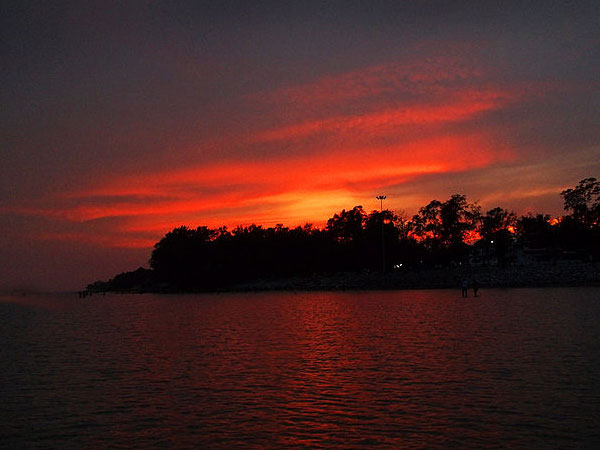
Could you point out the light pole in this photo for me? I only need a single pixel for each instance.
(381, 198)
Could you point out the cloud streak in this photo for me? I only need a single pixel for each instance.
(388, 125)
(429, 123)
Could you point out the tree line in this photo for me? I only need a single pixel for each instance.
(441, 234)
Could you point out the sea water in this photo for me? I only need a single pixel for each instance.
(515, 368)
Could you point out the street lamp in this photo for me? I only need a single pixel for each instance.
(381, 198)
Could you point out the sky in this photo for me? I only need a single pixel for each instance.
(123, 120)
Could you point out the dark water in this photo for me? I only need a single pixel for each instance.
(413, 369)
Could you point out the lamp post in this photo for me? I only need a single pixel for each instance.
(381, 198)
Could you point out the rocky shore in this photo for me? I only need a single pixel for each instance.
(538, 275)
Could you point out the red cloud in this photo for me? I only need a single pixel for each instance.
(416, 77)
(467, 105)
(339, 161)
(278, 185)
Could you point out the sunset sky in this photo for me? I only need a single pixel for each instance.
(123, 119)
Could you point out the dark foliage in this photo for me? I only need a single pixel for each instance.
(138, 280)
(584, 201)
(355, 241)
(443, 227)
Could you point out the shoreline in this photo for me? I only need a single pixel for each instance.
(570, 274)
(511, 277)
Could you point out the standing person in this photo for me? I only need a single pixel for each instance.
(475, 286)
(465, 288)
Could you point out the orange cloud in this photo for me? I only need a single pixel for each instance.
(387, 121)
(335, 162)
(286, 186)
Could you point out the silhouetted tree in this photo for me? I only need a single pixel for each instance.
(574, 235)
(584, 201)
(184, 256)
(140, 279)
(536, 232)
(404, 226)
(428, 222)
(496, 232)
(443, 227)
(381, 239)
(347, 240)
(495, 220)
(205, 258)
(347, 226)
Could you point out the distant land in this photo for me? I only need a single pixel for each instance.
(445, 244)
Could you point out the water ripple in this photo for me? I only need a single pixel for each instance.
(411, 369)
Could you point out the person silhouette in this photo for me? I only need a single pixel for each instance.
(465, 288)
(475, 286)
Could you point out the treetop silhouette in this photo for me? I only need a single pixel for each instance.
(204, 258)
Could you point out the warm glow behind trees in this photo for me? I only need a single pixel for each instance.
(438, 236)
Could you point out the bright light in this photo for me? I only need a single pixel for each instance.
(555, 221)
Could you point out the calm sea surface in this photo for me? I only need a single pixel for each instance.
(516, 368)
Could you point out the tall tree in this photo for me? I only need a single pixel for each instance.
(428, 222)
(184, 255)
(496, 232)
(584, 201)
(347, 226)
(495, 220)
(458, 218)
(536, 231)
(443, 226)
(447, 222)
